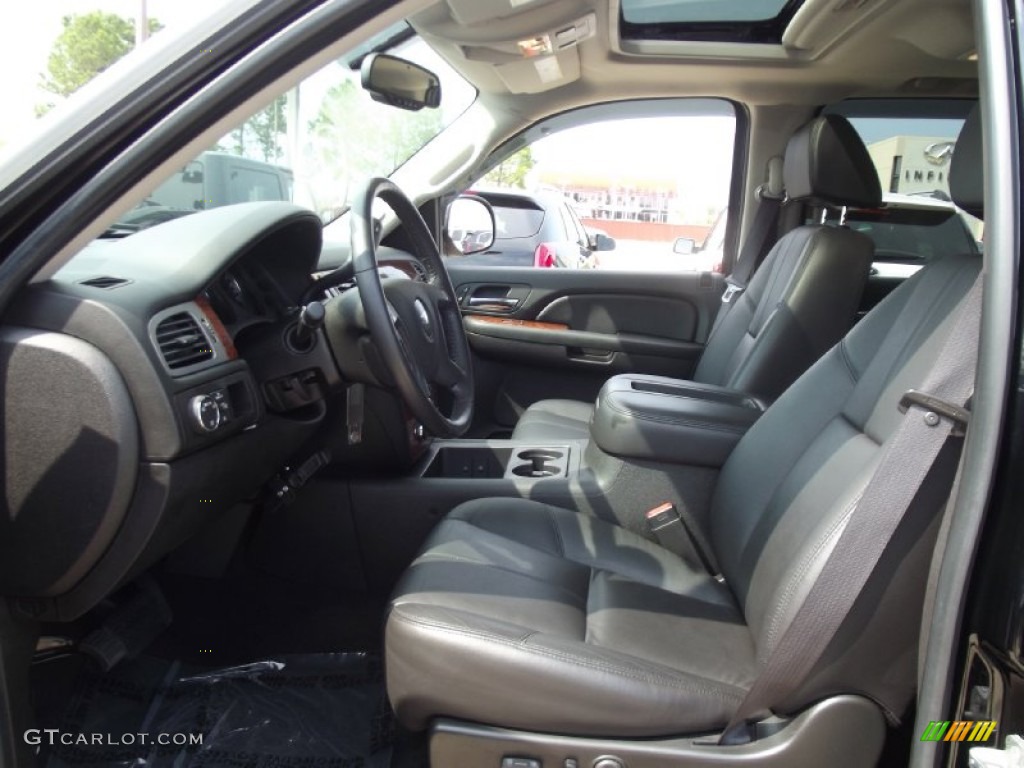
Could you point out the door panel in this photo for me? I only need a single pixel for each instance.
(670, 318)
(561, 343)
(542, 333)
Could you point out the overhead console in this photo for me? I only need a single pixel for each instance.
(531, 44)
(668, 420)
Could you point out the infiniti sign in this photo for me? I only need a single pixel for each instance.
(940, 152)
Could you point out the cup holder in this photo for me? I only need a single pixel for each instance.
(540, 454)
(540, 462)
(533, 470)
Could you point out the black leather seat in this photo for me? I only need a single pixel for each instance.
(528, 616)
(800, 301)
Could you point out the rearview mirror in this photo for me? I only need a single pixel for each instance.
(400, 83)
(469, 226)
(684, 246)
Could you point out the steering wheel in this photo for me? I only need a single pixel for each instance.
(416, 326)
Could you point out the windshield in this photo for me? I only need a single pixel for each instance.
(313, 145)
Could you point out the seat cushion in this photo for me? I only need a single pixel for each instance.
(554, 420)
(521, 614)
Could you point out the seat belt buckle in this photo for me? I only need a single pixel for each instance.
(731, 290)
(664, 522)
(661, 516)
(936, 410)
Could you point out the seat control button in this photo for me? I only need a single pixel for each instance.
(608, 762)
(571, 762)
(520, 762)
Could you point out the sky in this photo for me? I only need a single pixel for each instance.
(28, 29)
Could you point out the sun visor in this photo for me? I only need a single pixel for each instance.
(469, 12)
(536, 62)
(540, 73)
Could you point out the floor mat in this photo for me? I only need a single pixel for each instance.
(323, 710)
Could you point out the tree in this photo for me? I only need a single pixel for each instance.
(88, 44)
(352, 138)
(260, 133)
(513, 170)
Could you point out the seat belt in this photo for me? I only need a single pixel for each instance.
(760, 239)
(933, 415)
(755, 247)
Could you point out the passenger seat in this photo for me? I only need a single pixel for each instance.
(797, 305)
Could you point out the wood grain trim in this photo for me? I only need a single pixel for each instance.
(541, 326)
(218, 327)
(405, 267)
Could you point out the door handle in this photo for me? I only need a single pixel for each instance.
(479, 301)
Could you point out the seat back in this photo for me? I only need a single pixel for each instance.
(793, 481)
(806, 293)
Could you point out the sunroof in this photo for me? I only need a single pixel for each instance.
(742, 21)
(683, 11)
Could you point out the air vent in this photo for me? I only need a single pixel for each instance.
(182, 342)
(104, 282)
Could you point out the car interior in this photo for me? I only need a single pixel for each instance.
(355, 500)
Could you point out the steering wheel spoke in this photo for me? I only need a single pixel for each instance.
(449, 375)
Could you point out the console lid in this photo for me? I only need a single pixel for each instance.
(662, 419)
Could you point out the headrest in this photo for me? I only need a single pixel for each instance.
(967, 169)
(827, 162)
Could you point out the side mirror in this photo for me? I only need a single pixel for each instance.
(469, 226)
(602, 242)
(400, 83)
(684, 246)
(193, 173)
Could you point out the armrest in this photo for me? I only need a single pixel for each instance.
(662, 419)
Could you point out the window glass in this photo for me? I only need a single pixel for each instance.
(247, 185)
(732, 21)
(682, 11)
(911, 144)
(513, 222)
(314, 145)
(911, 155)
(571, 232)
(906, 231)
(576, 225)
(642, 179)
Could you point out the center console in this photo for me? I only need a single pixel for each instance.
(669, 420)
(651, 420)
(499, 459)
(652, 440)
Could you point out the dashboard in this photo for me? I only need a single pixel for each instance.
(165, 369)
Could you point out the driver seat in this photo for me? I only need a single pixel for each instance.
(527, 616)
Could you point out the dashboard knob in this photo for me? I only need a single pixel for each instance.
(205, 413)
